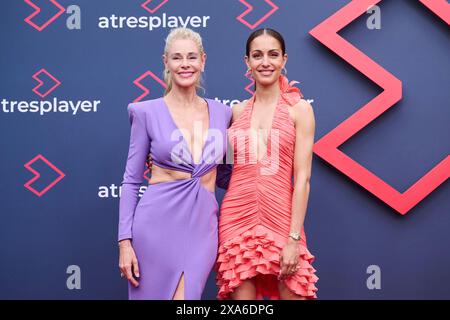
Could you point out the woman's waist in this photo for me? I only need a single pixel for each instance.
(163, 175)
(256, 203)
(239, 233)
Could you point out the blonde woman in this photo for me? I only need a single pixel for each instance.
(168, 240)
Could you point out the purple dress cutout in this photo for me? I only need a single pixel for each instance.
(173, 227)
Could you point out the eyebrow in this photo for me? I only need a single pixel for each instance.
(271, 50)
(189, 53)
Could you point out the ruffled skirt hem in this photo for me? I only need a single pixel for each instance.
(256, 252)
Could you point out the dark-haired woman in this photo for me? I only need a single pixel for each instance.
(262, 243)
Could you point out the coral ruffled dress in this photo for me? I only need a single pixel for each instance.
(256, 210)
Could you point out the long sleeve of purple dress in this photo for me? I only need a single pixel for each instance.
(134, 171)
(173, 226)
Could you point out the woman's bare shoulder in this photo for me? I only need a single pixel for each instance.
(238, 109)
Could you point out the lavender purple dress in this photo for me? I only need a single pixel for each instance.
(173, 226)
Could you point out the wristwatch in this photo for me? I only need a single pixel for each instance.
(295, 235)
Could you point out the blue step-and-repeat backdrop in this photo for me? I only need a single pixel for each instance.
(378, 217)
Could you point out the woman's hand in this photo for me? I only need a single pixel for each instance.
(128, 263)
(289, 259)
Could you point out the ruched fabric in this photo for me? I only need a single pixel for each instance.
(255, 215)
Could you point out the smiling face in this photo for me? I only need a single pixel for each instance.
(265, 59)
(185, 62)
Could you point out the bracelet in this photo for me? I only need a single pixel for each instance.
(295, 235)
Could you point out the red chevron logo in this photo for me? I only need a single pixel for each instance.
(241, 19)
(138, 83)
(37, 175)
(248, 88)
(327, 146)
(155, 8)
(37, 10)
(40, 83)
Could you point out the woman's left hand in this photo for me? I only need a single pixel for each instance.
(289, 259)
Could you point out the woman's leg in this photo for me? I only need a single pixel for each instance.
(179, 291)
(287, 294)
(246, 291)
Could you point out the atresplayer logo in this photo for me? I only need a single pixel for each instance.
(37, 77)
(327, 147)
(268, 7)
(153, 21)
(37, 175)
(73, 21)
(146, 90)
(46, 84)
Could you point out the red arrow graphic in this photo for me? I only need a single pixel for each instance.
(248, 88)
(37, 175)
(38, 10)
(327, 146)
(40, 83)
(154, 9)
(138, 83)
(241, 19)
